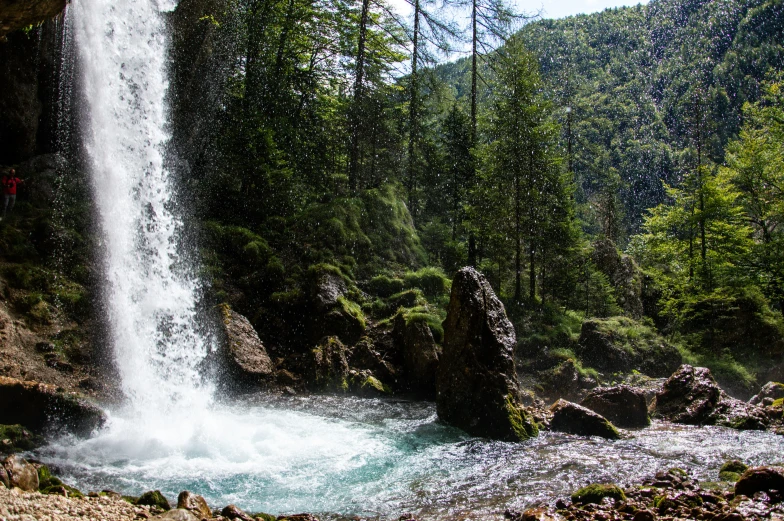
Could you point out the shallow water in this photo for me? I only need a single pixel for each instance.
(372, 457)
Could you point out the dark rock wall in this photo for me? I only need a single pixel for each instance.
(18, 14)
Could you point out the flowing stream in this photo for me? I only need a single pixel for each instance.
(332, 455)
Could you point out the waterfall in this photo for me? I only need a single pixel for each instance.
(151, 293)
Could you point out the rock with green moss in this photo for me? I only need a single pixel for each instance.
(622, 405)
(15, 438)
(769, 393)
(596, 492)
(760, 479)
(419, 350)
(154, 498)
(620, 344)
(384, 287)
(732, 470)
(476, 387)
(262, 516)
(329, 370)
(574, 419)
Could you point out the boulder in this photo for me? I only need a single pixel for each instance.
(328, 288)
(476, 386)
(596, 492)
(195, 503)
(371, 354)
(329, 365)
(732, 470)
(760, 479)
(333, 313)
(771, 391)
(420, 354)
(565, 381)
(623, 405)
(624, 275)
(38, 406)
(21, 474)
(154, 498)
(18, 15)
(246, 357)
(619, 344)
(692, 396)
(575, 419)
(15, 438)
(232, 512)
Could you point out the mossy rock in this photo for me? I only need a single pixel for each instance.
(384, 287)
(19, 439)
(373, 383)
(596, 492)
(523, 425)
(154, 498)
(664, 503)
(130, 499)
(46, 479)
(431, 280)
(732, 470)
(262, 516)
(778, 403)
(62, 490)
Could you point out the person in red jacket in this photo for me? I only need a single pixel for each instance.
(10, 182)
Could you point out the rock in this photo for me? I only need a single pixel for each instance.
(329, 365)
(477, 388)
(21, 474)
(565, 381)
(18, 15)
(732, 470)
(232, 512)
(596, 492)
(420, 354)
(4, 478)
(624, 276)
(15, 438)
(333, 313)
(644, 515)
(246, 356)
(575, 419)
(773, 390)
(154, 498)
(619, 344)
(367, 354)
(760, 479)
(693, 397)
(38, 406)
(623, 405)
(180, 514)
(194, 503)
(329, 287)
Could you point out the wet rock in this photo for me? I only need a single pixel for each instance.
(18, 15)
(692, 396)
(420, 354)
(232, 512)
(180, 514)
(619, 344)
(367, 354)
(329, 365)
(245, 354)
(194, 503)
(298, 517)
(623, 405)
(21, 474)
(38, 406)
(760, 479)
(771, 390)
(477, 388)
(15, 438)
(575, 419)
(732, 470)
(328, 288)
(154, 498)
(596, 492)
(4, 478)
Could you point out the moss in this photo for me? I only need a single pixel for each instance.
(384, 286)
(19, 439)
(61, 490)
(407, 299)
(371, 382)
(731, 470)
(46, 480)
(523, 425)
(354, 310)
(153, 498)
(664, 503)
(130, 499)
(778, 403)
(679, 472)
(433, 323)
(595, 492)
(431, 280)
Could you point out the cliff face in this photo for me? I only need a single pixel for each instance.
(18, 14)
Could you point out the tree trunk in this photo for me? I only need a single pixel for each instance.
(353, 166)
(413, 121)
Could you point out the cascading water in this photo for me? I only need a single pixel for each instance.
(320, 454)
(150, 293)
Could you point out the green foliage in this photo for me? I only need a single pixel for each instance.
(595, 492)
(731, 470)
(522, 423)
(432, 281)
(18, 439)
(354, 310)
(384, 286)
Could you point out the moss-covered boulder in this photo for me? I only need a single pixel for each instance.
(154, 498)
(620, 344)
(574, 419)
(15, 438)
(39, 406)
(596, 492)
(732, 470)
(692, 396)
(329, 369)
(769, 393)
(477, 388)
(622, 405)
(420, 352)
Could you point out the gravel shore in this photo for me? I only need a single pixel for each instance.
(16, 505)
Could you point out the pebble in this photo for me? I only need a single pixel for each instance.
(16, 505)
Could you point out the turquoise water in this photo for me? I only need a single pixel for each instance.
(350, 456)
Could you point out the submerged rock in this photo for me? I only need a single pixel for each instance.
(20, 473)
(477, 388)
(623, 405)
(38, 406)
(246, 356)
(574, 419)
(692, 396)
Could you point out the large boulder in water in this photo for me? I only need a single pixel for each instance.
(622, 405)
(477, 388)
(760, 479)
(246, 357)
(39, 406)
(692, 396)
(575, 419)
